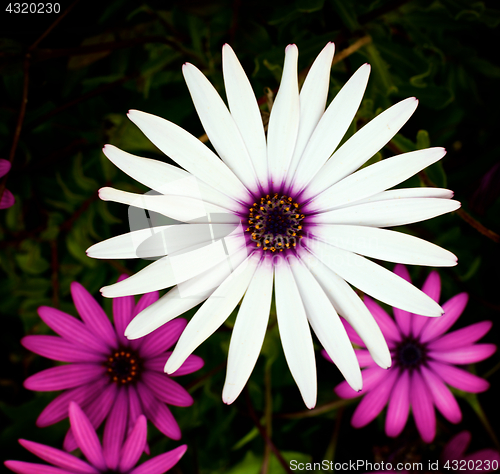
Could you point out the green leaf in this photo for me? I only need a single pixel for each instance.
(345, 10)
(309, 6)
(423, 140)
(30, 258)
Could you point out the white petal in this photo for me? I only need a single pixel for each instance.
(407, 193)
(348, 304)
(219, 125)
(189, 153)
(177, 268)
(362, 146)
(388, 213)
(249, 331)
(180, 208)
(375, 280)
(128, 245)
(313, 95)
(385, 245)
(213, 313)
(295, 333)
(326, 325)
(167, 179)
(332, 127)
(245, 111)
(284, 120)
(376, 178)
(182, 297)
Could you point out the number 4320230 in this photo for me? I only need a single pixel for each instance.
(33, 8)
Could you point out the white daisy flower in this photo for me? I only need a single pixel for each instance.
(287, 210)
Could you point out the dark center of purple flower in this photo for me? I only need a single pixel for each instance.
(123, 366)
(410, 353)
(275, 223)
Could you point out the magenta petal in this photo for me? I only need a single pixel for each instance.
(384, 321)
(192, 364)
(56, 348)
(162, 338)
(166, 390)
(423, 410)
(86, 437)
(352, 334)
(465, 355)
(134, 445)
(146, 300)
(4, 167)
(71, 329)
(443, 399)
(459, 378)
(455, 448)
(432, 288)
(374, 401)
(399, 406)
(371, 377)
(63, 377)
(134, 408)
(114, 430)
(96, 412)
(122, 314)
(161, 463)
(58, 458)
(158, 413)
(453, 308)
(22, 467)
(364, 358)
(93, 315)
(7, 200)
(57, 409)
(461, 337)
(402, 317)
(489, 455)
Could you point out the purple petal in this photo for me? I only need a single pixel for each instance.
(166, 390)
(161, 463)
(57, 409)
(71, 329)
(146, 300)
(399, 405)
(158, 413)
(134, 408)
(461, 337)
(7, 200)
(371, 377)
(93, 315)
(162, 338)
(86, 437)
(134, 445)
(364, 357)
(114, 430)
(192, 364)
(122, 314)
(453, 308)
(432, 286)
(459, 378)
(31, 468)
(489, 455)
(465, 355)
(374, 401)
(423, 410)
(4, 167)
(455, 448)
(63, 377)
(402, 317)
(56, 348)
(352, 334)
(384, 321)
(443, 399)
(58, 458)
(96, 412)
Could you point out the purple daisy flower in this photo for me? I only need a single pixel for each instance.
(424, 362)
(6, 199)
(110, 377)
(110, 457)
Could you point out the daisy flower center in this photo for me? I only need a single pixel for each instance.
(410, 354)
(275, 223)
(123, 366)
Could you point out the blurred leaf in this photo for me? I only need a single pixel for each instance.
(380, 69)
(472, 269)
(309, 6)
(423, 140)
(82, 60)
(30, 259)
(345, 10)
(403, 143)
(85, 183)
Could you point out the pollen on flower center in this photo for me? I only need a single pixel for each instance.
(275, 223)
(410, 353)
(123, 366)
